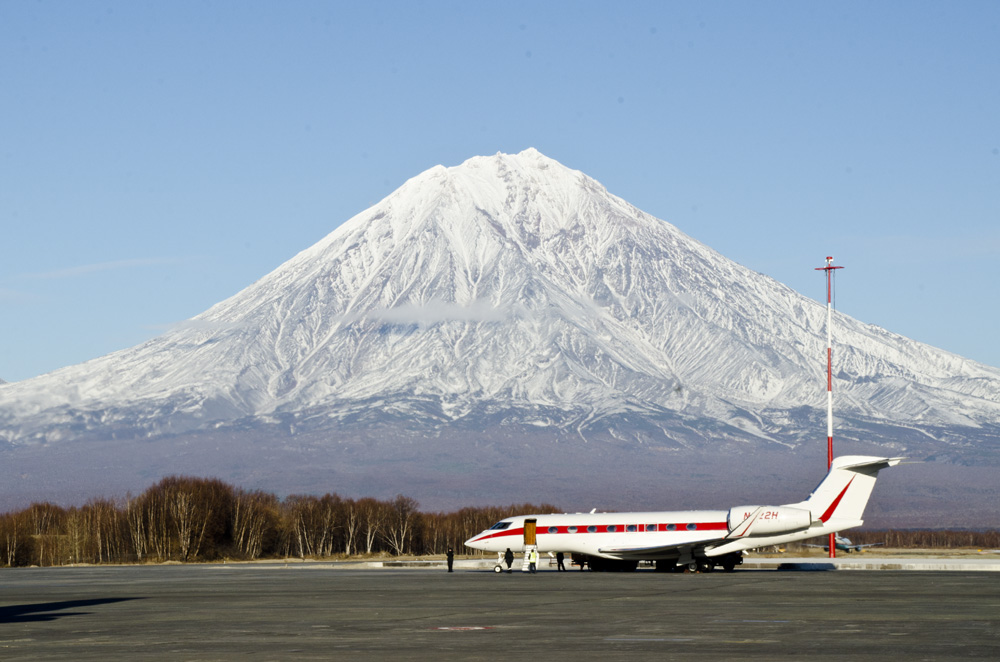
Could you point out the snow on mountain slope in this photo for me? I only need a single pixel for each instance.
(509, 283)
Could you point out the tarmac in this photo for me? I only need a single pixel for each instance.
(866, 562)
(351, 611)
(989, 562)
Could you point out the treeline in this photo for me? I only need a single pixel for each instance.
(928, 539)
(198, 519)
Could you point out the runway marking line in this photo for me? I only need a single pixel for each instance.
(633, 639)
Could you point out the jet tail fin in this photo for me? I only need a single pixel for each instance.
(844, 493)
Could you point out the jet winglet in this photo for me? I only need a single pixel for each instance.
(746, 525)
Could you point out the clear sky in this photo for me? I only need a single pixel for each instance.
(157, 157)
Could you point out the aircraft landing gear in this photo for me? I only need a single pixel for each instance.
(597, 564)
(730, 561)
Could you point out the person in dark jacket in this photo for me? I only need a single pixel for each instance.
(508, 558)
(451, 558)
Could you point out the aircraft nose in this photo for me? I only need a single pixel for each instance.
(471, 542)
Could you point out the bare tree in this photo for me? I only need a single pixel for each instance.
(326, 514)
(182, 513)
(103, 535)
(135, 525)
(296, 510)
(155, 514)
(313, 523)
(109, 517)
(401, 515)
(16, 539)
(191, 515)
(253, 513)
(76, 532)
(373, 516)
(351, 525)
(47, 521)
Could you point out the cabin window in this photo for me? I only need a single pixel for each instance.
(630, 528)
(612, 528)
(651, 527)
(572, 529)
(500, 526)
(553, 529)
(671, 527)
(691, 527)
(591, 529)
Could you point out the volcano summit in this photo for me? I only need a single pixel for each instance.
(503, 329)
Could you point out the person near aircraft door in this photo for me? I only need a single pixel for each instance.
(508, 558)
(559, 561)
(532, 561)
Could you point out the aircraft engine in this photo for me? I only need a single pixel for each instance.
(770, 520)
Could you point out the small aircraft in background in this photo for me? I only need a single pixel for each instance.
(845, 545)
(697, 540)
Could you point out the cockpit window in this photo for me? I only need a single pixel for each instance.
(500, 526)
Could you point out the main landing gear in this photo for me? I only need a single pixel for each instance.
(700, 565)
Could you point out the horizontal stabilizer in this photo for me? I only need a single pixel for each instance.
(872, 463)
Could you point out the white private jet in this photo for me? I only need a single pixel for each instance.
(697, 539)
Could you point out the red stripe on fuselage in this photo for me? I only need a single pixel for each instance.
(678, 527)
(555, 529)
(500, 534)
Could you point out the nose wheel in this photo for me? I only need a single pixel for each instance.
(497, 568)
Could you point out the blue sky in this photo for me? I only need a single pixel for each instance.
(157, 157)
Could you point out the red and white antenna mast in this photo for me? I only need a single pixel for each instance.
(829, 378)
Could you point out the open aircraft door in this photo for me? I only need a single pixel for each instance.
(530, 543)
(529, 533)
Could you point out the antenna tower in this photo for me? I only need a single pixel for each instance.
(829, 379)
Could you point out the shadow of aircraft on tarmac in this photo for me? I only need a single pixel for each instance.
(45, 611)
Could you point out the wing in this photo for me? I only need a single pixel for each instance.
(659, 551)
(681, 548)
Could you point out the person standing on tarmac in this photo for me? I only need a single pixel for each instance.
(532, 561)
(451, 558)
(508, 558)
(559, 562)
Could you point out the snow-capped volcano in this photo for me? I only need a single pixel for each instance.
(511, 291)
(506, 282)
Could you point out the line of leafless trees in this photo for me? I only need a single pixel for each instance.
(928, 539)
(198, 519)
